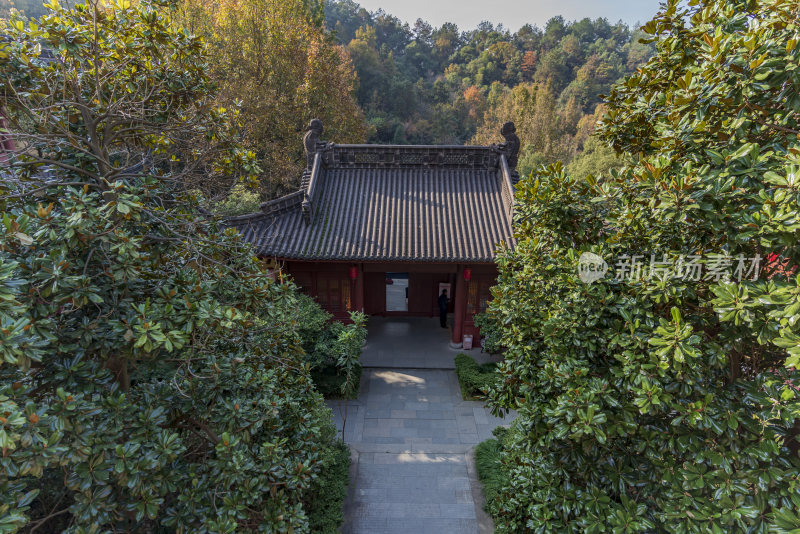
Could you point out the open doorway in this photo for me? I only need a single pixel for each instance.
(396, 292)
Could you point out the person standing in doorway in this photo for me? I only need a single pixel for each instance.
(443, 302)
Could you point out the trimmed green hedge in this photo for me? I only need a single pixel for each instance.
(473, 377)
(329, 491)
(489, 466)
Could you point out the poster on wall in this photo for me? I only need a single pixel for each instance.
(445, 286)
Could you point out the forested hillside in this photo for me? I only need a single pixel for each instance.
(424, 85)
(371, 77)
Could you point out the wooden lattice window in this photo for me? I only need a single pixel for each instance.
(478, 295)
(333, 293)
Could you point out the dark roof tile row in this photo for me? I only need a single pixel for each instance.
(427, 213)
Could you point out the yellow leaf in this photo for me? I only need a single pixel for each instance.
(43, 212)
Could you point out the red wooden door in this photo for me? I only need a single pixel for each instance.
(374, 293)
(419, 293)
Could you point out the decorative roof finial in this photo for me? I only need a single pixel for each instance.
(311, 141)
(511, 146)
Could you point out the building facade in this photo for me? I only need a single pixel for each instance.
(384, 228)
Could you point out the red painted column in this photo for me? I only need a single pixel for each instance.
(459, 309)
(359, 296)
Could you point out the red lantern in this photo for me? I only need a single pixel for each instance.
(467, 274)
(353, 272)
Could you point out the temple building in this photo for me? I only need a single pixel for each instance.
(384, 229)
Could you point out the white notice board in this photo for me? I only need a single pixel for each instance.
(446, 286)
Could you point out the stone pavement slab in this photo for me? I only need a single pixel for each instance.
(411, 437)
(413, 343)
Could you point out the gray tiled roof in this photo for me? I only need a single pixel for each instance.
(391, 203)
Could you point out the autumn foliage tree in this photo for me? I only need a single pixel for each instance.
(548, 132)
(273, 58)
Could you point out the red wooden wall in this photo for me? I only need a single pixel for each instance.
(331, 285)
(374, 293)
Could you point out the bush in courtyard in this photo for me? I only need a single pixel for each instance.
(665, 403)
(331, 382)
(489, 465)
(490, 332)
(327, 492)
(473, 377)
(333, 348)
(151, 373)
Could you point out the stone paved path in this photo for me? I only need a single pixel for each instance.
(413, 343)
(411, 438)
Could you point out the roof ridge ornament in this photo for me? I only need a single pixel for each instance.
(313, 145)
(510, 148)
(312, 142)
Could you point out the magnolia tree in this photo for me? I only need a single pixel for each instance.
(656, 382)
(151, 373)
